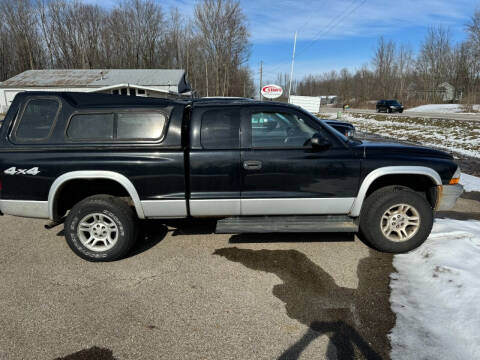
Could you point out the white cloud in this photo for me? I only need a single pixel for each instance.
(347, 18)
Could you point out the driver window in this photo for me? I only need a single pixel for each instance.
(274, 129)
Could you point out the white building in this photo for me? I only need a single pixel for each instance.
(133, 82)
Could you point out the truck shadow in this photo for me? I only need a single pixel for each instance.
(94, 353)
(356, 321)
(291, 237)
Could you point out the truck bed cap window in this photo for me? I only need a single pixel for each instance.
(91, 126)
(146, 125)
(117, 126)
(37, 119)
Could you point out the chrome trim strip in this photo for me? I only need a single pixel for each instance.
(215, 207)
(296, 206)
(390, 170)
(25, 208)
(94, 174)
(164, 208)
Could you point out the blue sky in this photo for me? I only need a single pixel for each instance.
(333, 34)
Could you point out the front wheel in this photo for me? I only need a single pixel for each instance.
(396, 219)
(101, 228)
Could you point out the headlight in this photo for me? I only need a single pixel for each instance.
(456, 177)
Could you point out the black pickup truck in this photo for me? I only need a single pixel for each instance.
(99, 162)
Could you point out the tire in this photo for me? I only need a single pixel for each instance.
(400, 111)
(110, 228)
(374, 216)
(389, 110)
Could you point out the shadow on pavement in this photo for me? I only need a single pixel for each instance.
(151, 232)
(291, 237)
(357, 321)
(94, 353)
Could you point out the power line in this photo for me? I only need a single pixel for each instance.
(345, 15)
(331, 25)
(328, 26)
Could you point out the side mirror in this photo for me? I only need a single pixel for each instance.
(319, 142)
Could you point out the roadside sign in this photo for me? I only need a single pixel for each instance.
(272, 91)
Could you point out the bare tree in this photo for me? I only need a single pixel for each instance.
(223, 34)
(384, 65)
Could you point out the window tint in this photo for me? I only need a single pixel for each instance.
(91, 127)
(271, 129)
(37, 119)
(220, 129)
(141, 125)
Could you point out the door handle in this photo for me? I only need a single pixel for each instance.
(252, 165)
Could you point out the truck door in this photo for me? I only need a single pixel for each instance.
(283, 174)
(215, 175)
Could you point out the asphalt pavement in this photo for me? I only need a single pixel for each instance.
(186, 293)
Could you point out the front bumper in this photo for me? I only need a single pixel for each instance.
(447, 196)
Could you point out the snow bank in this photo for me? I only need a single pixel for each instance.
(438, 108)
(469, 182)
(436, 294)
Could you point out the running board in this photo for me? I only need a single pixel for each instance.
(271, 224)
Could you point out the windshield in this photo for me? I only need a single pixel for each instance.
(393, 102)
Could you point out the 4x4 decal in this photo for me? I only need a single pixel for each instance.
(14, 171)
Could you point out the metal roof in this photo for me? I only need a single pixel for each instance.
(98, 78)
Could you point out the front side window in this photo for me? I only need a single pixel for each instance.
(220, 129)
(274, 129)
(37, 119)
(91, 127)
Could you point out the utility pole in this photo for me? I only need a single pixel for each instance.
(291, 71)
(206, 74)
(261, 73)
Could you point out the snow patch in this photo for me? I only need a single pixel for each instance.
(440, 108)
(469, 182)
(435, 295)
(461, 137)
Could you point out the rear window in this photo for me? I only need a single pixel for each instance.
(120, 126)
(220, 129)
(37, 119)
(91, 127)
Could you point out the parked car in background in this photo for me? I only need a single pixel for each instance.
(389, 106)
(344, 128)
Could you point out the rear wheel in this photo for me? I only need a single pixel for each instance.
(101, 228)
(396, 219)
